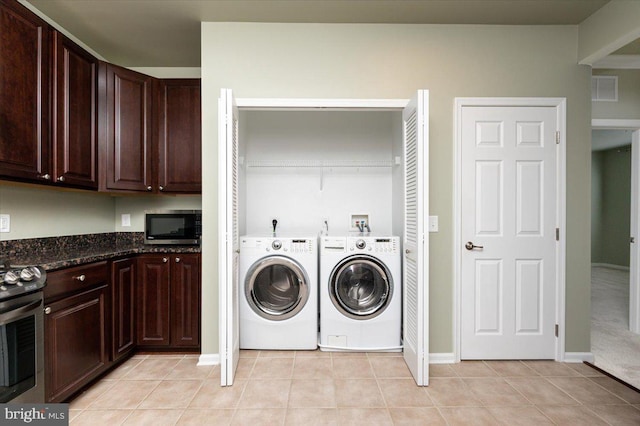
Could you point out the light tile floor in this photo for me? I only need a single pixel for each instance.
(321, 388)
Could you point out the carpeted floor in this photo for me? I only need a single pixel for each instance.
(615, 348)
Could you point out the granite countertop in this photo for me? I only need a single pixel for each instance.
(62, 252)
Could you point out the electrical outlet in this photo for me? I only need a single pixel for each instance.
(5, 223)
(126, 219)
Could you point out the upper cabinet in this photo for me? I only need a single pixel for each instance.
(149, 132)
(179, 135)
(24, 94)
(68, 119)
(74, 114)
(125, 129)
(47, 103)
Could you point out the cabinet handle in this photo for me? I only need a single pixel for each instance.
(45, 176)
(161, 188)
(80, 277)
(177, 260)
(61, 179)
(165, 260)
(47, 310)
(149, 188)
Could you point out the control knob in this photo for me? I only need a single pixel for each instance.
(277, 245)
(361, 244)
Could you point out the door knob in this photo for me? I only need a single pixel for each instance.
(471, 246)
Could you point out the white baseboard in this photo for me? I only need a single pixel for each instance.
(209, 359)
(611, 266)
(578, 357)
(442, 358)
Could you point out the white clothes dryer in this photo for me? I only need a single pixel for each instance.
(361, 294)
(278, 294)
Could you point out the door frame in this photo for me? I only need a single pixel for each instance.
(560, 105)
(294, 104)
(634, 259)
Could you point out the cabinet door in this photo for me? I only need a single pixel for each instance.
(24, 94)
(153, 301)
(74, 108)
(127, 121)
(185, 301)
(75, 342)
(123, 285)
(179, 136)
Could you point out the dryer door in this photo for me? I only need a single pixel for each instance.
(361, 287)
(276, 287)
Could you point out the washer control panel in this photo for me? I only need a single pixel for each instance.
(374, 245)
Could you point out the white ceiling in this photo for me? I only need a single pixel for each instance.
(166, 33)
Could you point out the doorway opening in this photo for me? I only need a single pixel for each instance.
(615, 283)
(233, 205)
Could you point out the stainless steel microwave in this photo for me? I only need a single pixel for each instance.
(175, 227)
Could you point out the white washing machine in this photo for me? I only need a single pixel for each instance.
(360, 293)
(278, 292)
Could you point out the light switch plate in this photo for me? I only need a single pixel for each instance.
(5, 223)
(126, 219)
(433, 223)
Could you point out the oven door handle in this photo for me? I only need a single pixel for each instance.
(14, 311)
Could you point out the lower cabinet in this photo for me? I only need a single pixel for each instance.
(168, 300)
(123, 308)
(98, 314)
(76, 332)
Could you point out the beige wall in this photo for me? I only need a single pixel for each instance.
(40, 211)
(628, 104)
(392, 61)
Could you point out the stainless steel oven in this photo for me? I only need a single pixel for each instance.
(21, 335)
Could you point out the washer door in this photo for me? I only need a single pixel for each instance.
(361, 287)
(276, 287)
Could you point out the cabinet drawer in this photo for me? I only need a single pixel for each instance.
(75, 279)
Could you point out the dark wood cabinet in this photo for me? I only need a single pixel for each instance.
(185, 301)
(169, 301)
(74, 131)
(76, 329)
(153, 300)
(123, 290)
(72, 120)
(179, 136)
(125, 119)
(24, 94)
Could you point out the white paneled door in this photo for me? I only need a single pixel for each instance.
(229, 236)
(508, 221)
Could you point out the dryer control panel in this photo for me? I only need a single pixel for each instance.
(279, 245)
(373, 244)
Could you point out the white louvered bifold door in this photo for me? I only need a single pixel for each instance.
(415, 292)
(228, 234)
